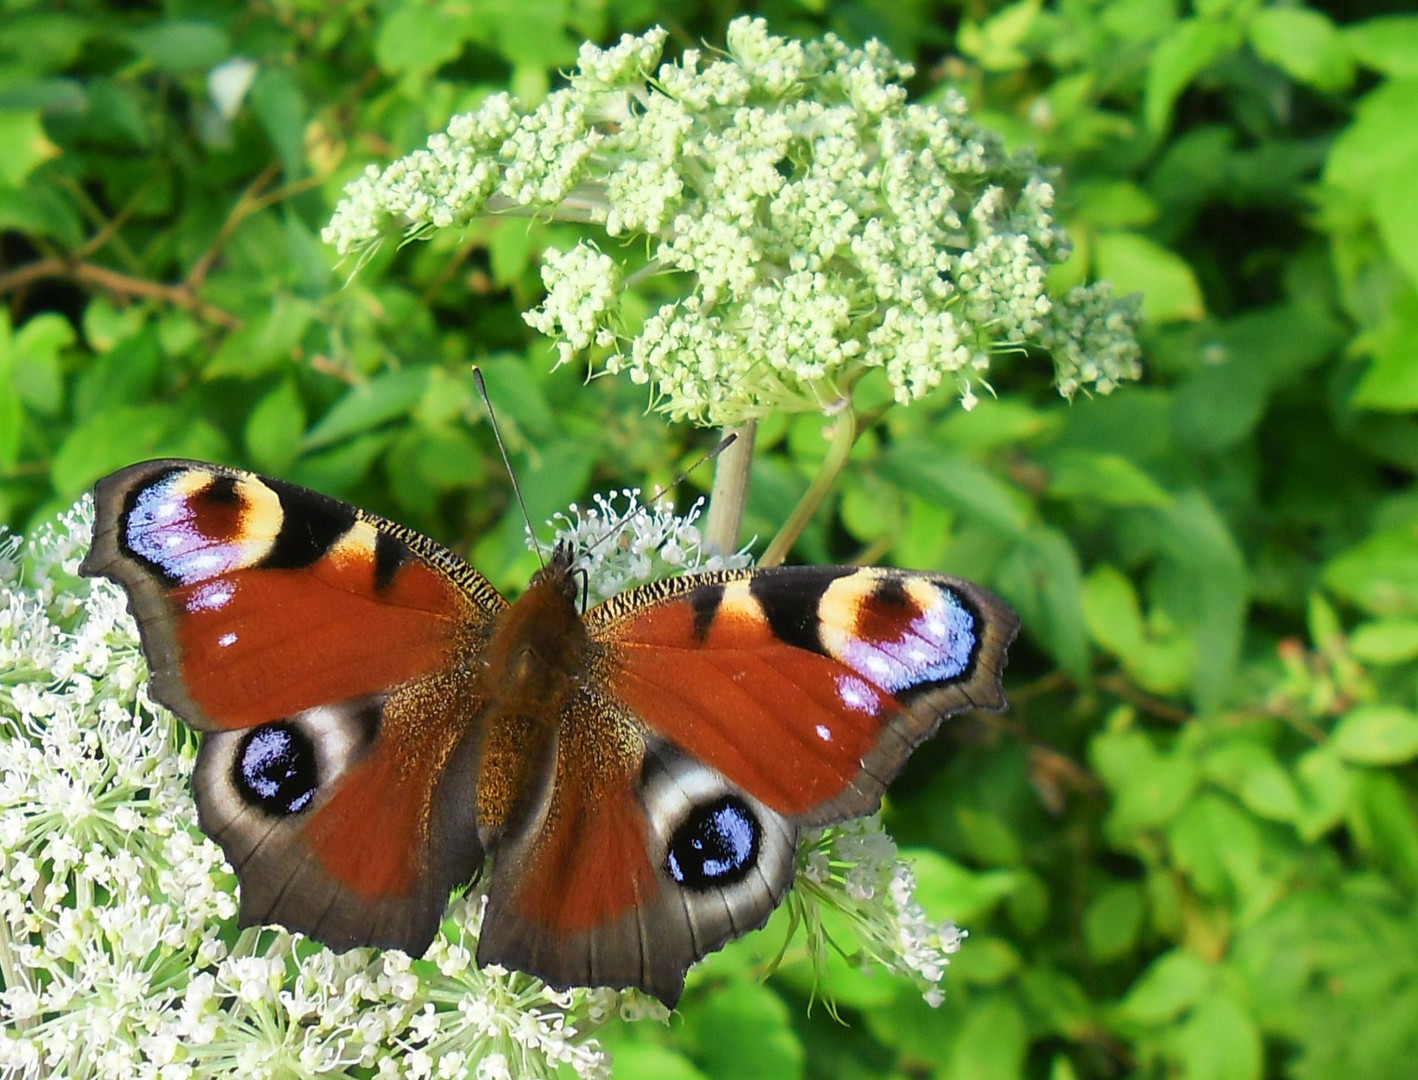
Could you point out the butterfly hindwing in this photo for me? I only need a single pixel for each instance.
(644, 862)
(319, 650)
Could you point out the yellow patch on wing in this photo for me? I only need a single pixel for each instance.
(739, 603)
(840, 609)
(355, 546)
(261, 520)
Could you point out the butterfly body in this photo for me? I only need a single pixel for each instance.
(380, 725)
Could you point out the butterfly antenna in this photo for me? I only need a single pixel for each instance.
(502, 448)
(660, 493)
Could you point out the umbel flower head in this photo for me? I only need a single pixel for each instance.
(119, 953)
(807, 223)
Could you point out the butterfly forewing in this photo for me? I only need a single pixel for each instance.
(808, 686)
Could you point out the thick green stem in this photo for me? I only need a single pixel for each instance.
(730, 492)
(844, 436)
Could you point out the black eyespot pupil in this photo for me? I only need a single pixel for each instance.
(716, 845)
(275, 769)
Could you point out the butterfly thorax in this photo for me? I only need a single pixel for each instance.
(529, 669)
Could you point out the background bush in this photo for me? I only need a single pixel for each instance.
(1191, 848)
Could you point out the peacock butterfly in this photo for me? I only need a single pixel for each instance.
(378, 720)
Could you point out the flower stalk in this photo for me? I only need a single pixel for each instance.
(729, 494)
(844, 437)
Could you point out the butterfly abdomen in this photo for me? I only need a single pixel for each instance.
(529, 669)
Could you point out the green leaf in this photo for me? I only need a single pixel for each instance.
(1304, 44)
(993, 1041)
(518, 396)
(988, 837)
(23, 145)
(1380, 574)
(1247, 359)
(12, 414)
(743, 1032)
(1133, 263)
(996, 42)
(179, 46)
(1109, 478)
(1220, 1041)
(1383, 824)
(1385, 641)
(1190, 47)
(1248, 768)
(1376, 735)
(1199, 541)
(955, 479)
(1155, 793)
(646, 1061)
(338, 469)
(115, 437)
(1397, 218)
(946, 889)
(1112, 922)
(987, 962)
(265, 344)
(1327, 784)
(1055, 1000)
(1049, 561)
(418, 38)
(1388, 44)
(44, 40)
(279, 103)
(1113, 204)
(1218, 847)
(275, 427)
(449, 458)
(1390, 383)
(1150, 789)
(1175, 982)
(37, 379)
(1380, 142)
(1112, 612)
(39, 210)
(369, 405)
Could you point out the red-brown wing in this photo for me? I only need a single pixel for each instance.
(807, 686)
(723, 713)
(641, 862)
(257, 599)
(320, 649)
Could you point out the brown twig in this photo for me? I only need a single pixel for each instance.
(1120, 687)
(242, 209)
(103, 277)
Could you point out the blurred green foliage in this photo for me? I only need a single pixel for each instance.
(1191, 848)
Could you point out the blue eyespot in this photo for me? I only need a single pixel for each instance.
(275, 769)
(716, 845)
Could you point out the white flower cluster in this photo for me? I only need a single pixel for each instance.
(854, 870)
(622, 548)
(119, 956)
(815, 225)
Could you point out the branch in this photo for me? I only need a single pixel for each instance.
(86, 273)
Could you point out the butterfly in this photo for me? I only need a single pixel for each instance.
(378, 722)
